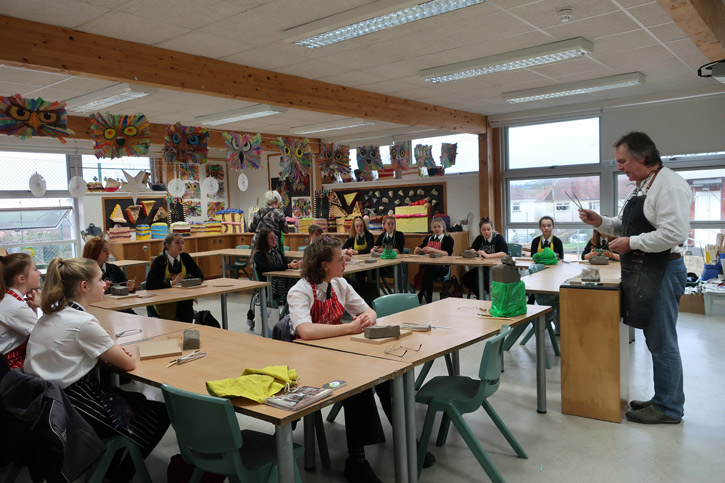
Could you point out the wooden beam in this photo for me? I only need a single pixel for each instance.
(496, 184)
(485, 178)
(47, 47)
(703, 21)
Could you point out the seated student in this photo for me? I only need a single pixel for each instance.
(19, 301)
(168, 269)
(97, 249)
(390, 236)
(268, 258)
(546, 225)
(360, 241)
(598, 245)
(67, 344)
(315, 232)
(489, 244)
(439, 243)
(317, 303)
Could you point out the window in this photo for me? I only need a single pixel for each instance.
(564, 143)
(466, 151)
(95, 169)
(17, 168)
(539, 197)
(562, 206)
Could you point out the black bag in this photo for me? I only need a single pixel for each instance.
(204, 317)
(451, 288)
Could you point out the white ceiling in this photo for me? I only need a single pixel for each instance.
(628, 36)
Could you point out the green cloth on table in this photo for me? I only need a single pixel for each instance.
(547, 257)
(254, 384)
(508, 299)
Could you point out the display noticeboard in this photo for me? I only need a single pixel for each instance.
(381, 200)
(110, 203)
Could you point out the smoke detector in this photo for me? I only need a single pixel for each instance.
(565, 14)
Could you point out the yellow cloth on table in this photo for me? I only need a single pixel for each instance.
(254, 384)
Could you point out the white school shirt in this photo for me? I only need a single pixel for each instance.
(300, 300)
(667, 208)
(65, 346)
(17, 320)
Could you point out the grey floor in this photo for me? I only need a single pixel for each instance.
(560, 448)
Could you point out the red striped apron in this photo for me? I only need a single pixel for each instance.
(16, 357)
(328, 312)
(434, 244)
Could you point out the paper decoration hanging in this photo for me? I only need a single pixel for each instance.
(77, 186)
(186, 144)
(243, 182)
(135, 184)
(448, 154)
(368, 159)
(243, 150)
(210, 185)
(176, 188)
(296, 161)
(334, 159)
(28, 117)
(424, 155)
(37, 185)
(115, 136)
(350, 197)
(400, 156)
(117, 215)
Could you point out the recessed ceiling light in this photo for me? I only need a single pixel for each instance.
(227, 117)
(110, 96)
(574, 88)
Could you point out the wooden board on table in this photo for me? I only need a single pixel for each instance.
(384, 340)
(159, 348)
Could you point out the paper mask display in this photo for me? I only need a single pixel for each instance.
(424, 155)
(186, 144)
(400, 156)
(243, 150)
(115, 136)
(27, 117)
(448, 154)
(368, 159)
(296, 161)
(334, 159)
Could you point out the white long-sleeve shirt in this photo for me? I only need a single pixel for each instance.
(667, 208)
(17, 321)
(300, 300)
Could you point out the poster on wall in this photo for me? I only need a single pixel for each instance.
(205, 189)
(287, 192)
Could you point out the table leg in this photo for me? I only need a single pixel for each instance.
(456, 359)
(263, 312)
(377, 280)
(225, 317)
(268, 288)
(125, 273)
(224, 266)
(481, 288)
(396, 278)
(285, 460)
(539, 327)
(399, 435)
(409, 391)
(309, 427)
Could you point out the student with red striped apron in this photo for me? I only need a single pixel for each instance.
(441, 244)
(19, 300)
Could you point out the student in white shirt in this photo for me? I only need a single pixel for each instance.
(67, 344)
(19, 300)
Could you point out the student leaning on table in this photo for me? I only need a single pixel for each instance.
(439, 243)
(67, 344)
(651, 229)
(489, 244)
(96, 248)
(19, 301)
(169, 269)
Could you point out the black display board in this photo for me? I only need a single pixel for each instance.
(379, 201)
(109, 203)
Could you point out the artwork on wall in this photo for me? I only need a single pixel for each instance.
(368, 159)
(400, 156)
(186, 144)
(296, 161)
(424, 156)
(334, 160)
(192, 207)
(301, 207)
(448, 154)
(115, 136)
(243, 150)
(214, 206)
(380, 201)
(287, 192)
(193, 190)
(189, 171)
(29, 117)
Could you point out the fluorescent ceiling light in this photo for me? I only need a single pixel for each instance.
(574, 88)
(331, 126)
(110, 96)
(251, 112)
(367, 19)
(519, 59)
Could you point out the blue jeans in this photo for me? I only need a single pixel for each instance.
(661, 337)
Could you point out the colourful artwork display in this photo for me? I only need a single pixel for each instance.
(368, 159)
(400, 156)
(193, 190)
(424, 155)
(115, 136)
(214, 206)
(301, 207)
(29, 117)
(334, 159)
(243, 150)
(186, 144)
(188, 171)
(448, 154)
(191, 207)
(215, 171)
(296, 160)
(284, 194)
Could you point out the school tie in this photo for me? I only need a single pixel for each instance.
(546, 244)
(176, 266)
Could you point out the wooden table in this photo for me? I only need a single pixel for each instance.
(549, 280)
(465, 328)
(228, 253)
(220, 286)
(229, 353)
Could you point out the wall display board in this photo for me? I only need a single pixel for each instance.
(380, 201)
(200, 204)
(291, 196)
(115, 210)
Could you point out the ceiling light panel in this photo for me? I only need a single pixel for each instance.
(367, 19)
(243, 114)
(110, 96)
(331, 126)
(519, 59)
(575, 88)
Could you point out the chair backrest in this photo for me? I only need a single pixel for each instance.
(211, 442)
(514, 249)
(302, 248)
(287, 249)
(406, 250)
(394, 303)
(242, 247)
(536, 267)
(490, 370)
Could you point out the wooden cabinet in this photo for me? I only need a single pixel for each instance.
(211, 267)
(136, 250)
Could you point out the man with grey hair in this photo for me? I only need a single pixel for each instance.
(651, 230)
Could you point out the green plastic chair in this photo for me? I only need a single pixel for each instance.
(286, 248)
(240, 264)
(515, 249)
(302, 248)
(150, 311)
(113, 446)
(455, 396)
(273, 302)
(214, 442)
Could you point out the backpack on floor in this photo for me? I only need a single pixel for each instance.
(451, 288)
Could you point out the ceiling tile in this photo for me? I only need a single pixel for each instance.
(11, 88)
(205, 45)
(594, 27)
(134, 28)
(311, 69)
(688, 52)
(543, 14)
(69, 13)
(633, 39)
(650, 14)
(84, 85)
(29, 77)
(668, 32)
(352, 78)
(569, 68)
(190, 14)
(263, 58)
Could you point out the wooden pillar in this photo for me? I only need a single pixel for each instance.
(490, 176)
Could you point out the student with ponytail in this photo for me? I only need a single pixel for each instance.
(19, 300)
(65, 347)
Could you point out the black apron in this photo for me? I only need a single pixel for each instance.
(642, 273)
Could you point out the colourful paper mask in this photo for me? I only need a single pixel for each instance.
(186, 144)
(400, 156)
(28, 117)
(243, 150)
(448, 154)
(115, 136)
(296, 161)
(424, 155)
(334, 159)
(368, 159)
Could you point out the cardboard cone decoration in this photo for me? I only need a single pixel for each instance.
(133, 212)
(117, 215)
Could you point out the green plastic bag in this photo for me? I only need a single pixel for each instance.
(508, 299)
(547, 257)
